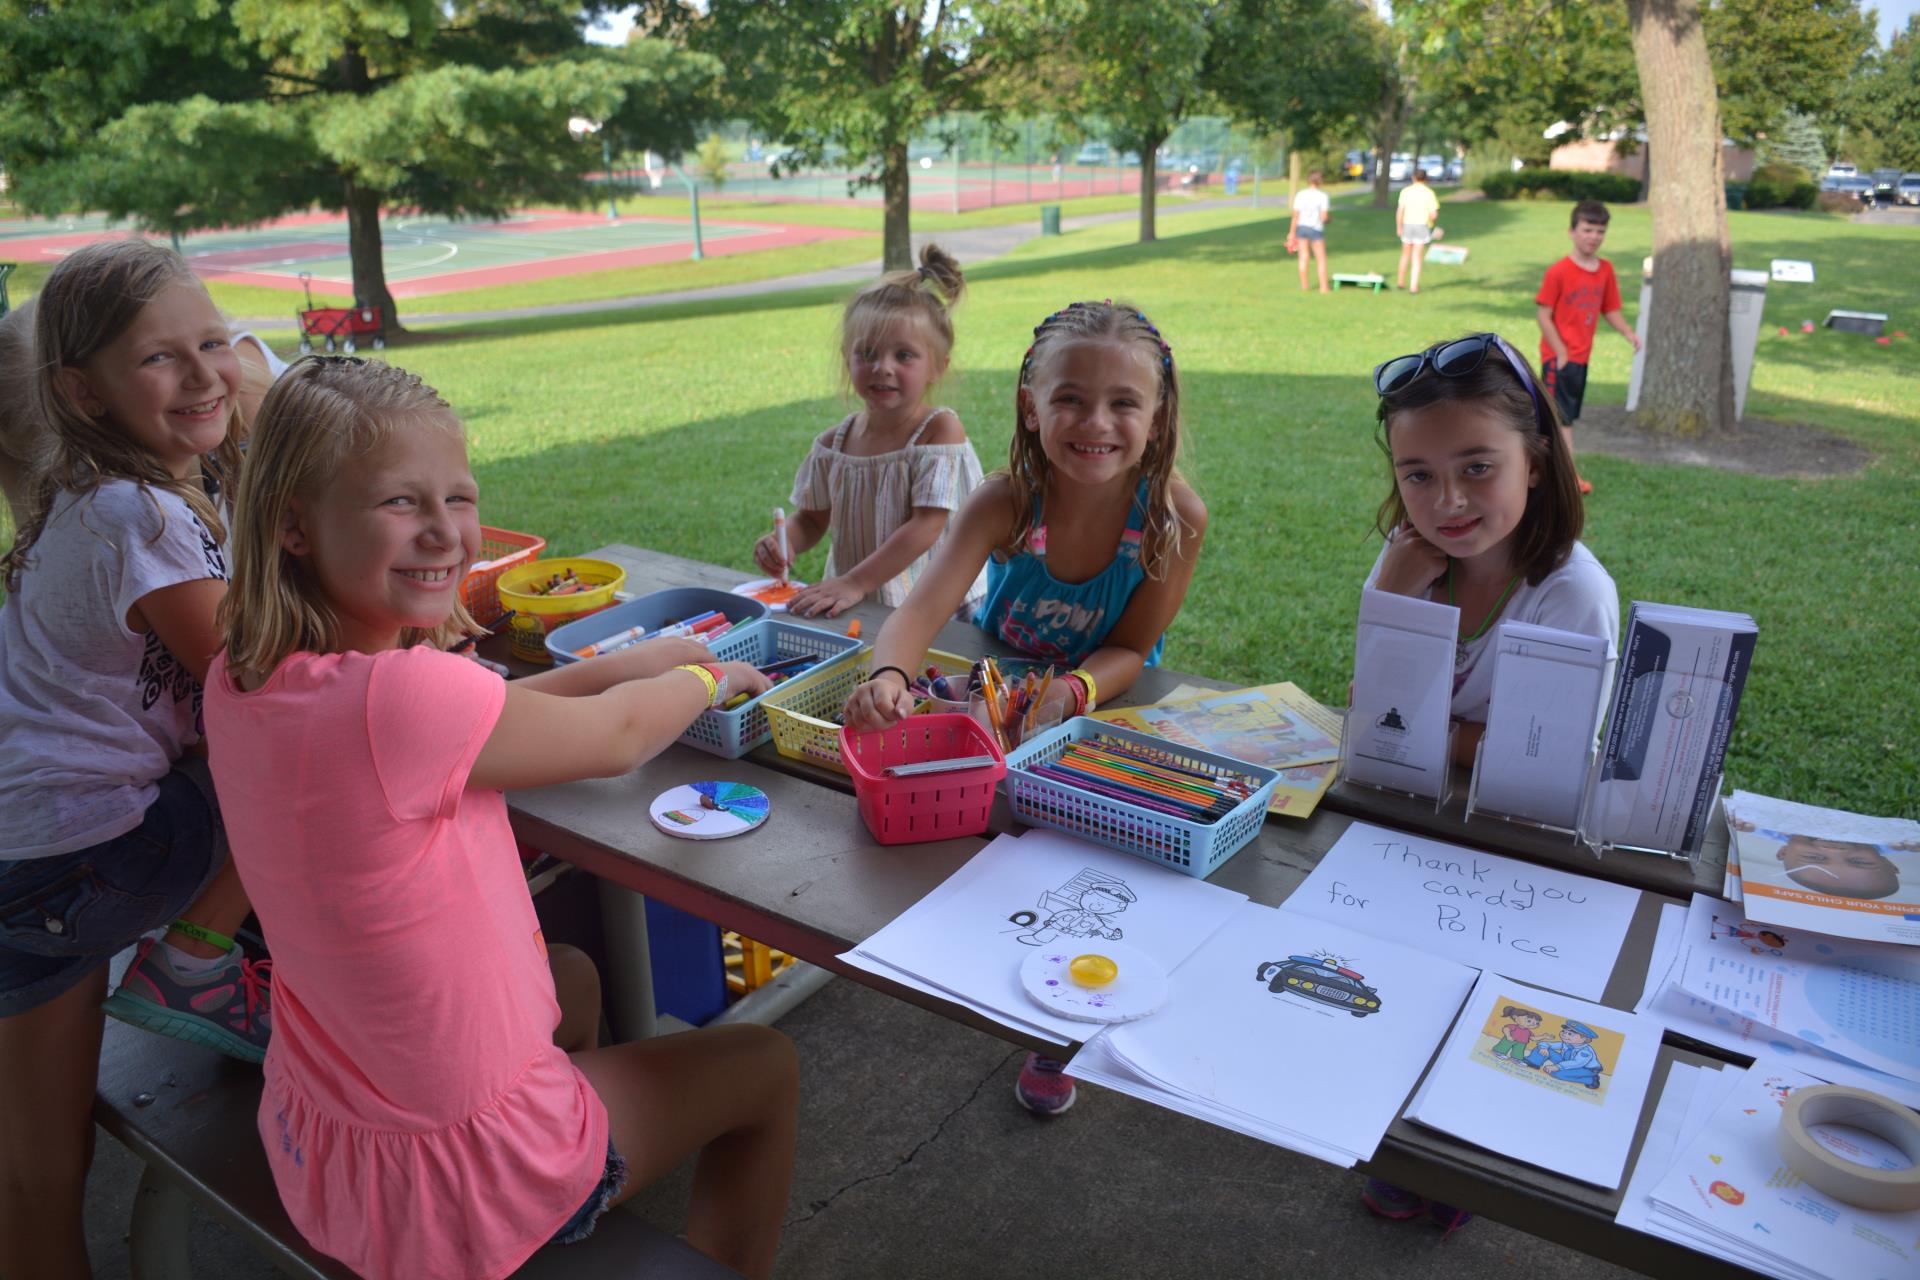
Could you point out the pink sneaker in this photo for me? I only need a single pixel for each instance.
(227, 1008)
(1044, 1087)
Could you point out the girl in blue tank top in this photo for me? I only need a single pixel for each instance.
(1089, 535)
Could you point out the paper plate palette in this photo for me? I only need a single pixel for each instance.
(1138, 988)
(770, 592)
(709, 810)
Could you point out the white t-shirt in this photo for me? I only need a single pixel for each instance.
(1311, 204)
(1579, 596)
(275, 365)
(91, 714)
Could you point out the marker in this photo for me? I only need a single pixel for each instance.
(780, 532)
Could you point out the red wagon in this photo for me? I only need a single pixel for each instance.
(345, 327)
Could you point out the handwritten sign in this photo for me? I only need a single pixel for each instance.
(1534, 923)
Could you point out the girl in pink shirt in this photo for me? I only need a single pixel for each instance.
(432, 1107)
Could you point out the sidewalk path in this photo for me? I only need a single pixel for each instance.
(971, 246)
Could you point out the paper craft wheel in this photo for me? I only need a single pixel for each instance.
(684, 811)
(1139, 989)
(765, 591)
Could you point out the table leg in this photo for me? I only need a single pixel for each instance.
(629, 976)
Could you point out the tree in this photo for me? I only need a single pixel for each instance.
(860, 75)
(1795, 139)
(1885, 103)
(187, 114)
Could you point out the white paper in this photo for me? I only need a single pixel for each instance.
(1666, 949)
(969, 936)
(1397, 728)
(891, 974)
(1542, 1078)
(1856, 1000)
(1730, 1183)
(1541, 719)
(1303, 1025)
(1543, 926)
(1663, 1142)
(1840, 873)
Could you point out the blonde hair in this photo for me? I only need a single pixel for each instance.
(927, 294)
(1029, 472)
(88, 301)
(23, 441)
(321, 412)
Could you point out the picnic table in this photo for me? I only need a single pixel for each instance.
(816, 883)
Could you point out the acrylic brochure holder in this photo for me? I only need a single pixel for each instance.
(1345, 774)
(1654, 786)
(1476, 809)
(1533, 765)
(1397, 733)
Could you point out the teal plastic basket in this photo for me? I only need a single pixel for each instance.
(732, 734)
(1192, 848)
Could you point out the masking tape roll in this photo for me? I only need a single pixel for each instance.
(1894, 1190)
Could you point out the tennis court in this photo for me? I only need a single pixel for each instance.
(428, 256)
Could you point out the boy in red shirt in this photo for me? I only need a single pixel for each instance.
(1578, 290)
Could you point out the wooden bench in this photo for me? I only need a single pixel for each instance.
(189, 1114)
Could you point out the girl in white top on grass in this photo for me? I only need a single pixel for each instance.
(108, 825)
(1485, 512)
(883, 482)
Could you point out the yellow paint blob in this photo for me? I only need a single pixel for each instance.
(1092, 971)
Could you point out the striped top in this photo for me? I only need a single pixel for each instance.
(868, 499)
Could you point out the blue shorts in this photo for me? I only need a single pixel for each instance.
(613, 1176)
(1307, 235)
(64, 916)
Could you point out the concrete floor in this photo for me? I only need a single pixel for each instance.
(915, 1161)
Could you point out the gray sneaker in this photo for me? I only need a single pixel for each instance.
(228, 1008)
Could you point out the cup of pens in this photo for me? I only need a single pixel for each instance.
(1009, 699)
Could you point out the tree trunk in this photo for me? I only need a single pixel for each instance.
(1293, 174)
(1149, 181)
(897, 234)
(368, 255)
(1686, 384)
(1386, 137)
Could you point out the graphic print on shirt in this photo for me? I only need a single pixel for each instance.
(162, 673)
(1525, 1041)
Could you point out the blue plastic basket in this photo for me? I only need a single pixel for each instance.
(1192, 848)
(653, 610)
(734, 733)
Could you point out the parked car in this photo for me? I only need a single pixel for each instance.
(1094, 153)
(1358, 164)
(1886, 185)
(1433, 166)
(1860, 189)
(1910, 189)
(1456, 169)
(1398, 167)
(1840, 170)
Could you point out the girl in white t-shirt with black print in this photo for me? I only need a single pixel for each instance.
(1485, 514)
(108, 824)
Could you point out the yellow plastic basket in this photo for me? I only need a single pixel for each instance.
(602, 579)
(798, 710)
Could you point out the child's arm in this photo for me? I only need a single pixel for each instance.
(982, 524)
(182, 616)
(905, 545)
(804, 528)
(1618, 319)
(1555, 342)
(540, 739)
(1466, 741)
(642, 661)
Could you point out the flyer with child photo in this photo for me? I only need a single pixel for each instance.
(1826, 870)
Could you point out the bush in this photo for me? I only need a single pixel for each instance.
(1781, 186)
(1569, 185)
(1837, 202)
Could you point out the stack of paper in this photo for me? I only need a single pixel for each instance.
(1542, 1078)
(1841, 873)
(1687, 1101)
(1674, 701)
(1846, 1012)
(1294, 1031)
(1728, 1193)
(1541, 719)
(966, 940)
(1398, 725)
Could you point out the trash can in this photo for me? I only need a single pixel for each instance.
(1049, 219)
(1747, 297)
(6, 269)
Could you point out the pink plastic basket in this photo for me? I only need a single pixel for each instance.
(930, 806)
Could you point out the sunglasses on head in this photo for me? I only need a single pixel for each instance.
(1457, 359)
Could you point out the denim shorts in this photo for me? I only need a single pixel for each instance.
(64, 916)
(1308, 235)
(613, 1176)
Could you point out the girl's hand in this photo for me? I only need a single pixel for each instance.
(742, 677)
(878, 703)
(829, 598)
(766, 554)
(651, 657)
(1412, 565)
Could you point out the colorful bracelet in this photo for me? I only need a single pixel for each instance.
(906, 681)
(1085, 677)
(722, 683)
(707, 679)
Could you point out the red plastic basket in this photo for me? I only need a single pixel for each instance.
(931, 806)
(480, 591)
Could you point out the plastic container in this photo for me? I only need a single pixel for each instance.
(732, 734)
(602, 577)
(1192, 848)
(652, 611)
(930, 806)
(502, 549)
(800, 710)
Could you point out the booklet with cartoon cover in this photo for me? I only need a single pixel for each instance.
(1279, 726)
(1827, 870)
(1543, 1078)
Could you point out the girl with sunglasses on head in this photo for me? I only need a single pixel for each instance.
(1485, 510)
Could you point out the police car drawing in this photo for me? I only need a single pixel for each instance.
(1321, 980)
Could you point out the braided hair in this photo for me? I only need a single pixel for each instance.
(1028, 470)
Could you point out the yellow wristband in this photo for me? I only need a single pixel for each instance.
(1086, 677)
(706, 678)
